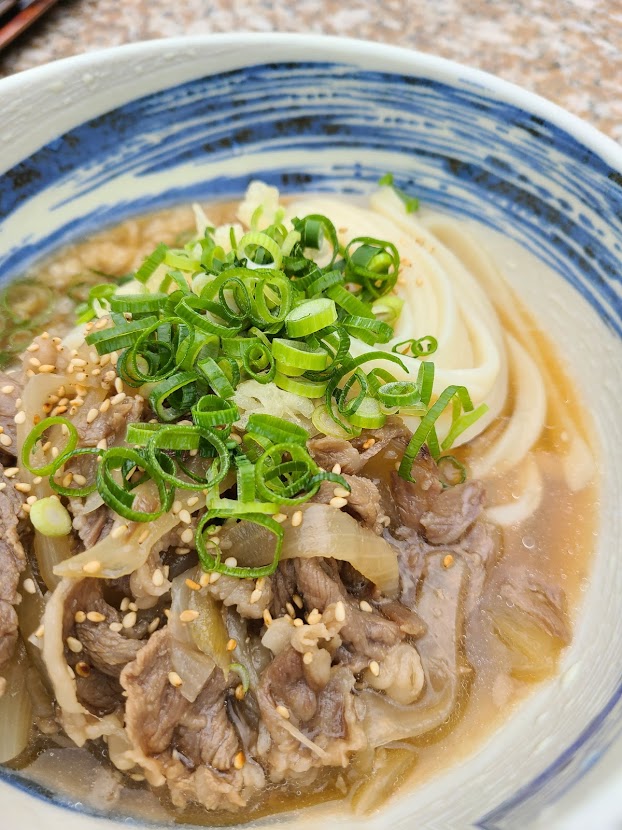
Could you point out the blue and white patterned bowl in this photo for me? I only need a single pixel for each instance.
(94, 139)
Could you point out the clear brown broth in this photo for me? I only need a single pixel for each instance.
(556, 542)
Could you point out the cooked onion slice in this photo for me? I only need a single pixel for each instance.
(15, 708)
(325, 531)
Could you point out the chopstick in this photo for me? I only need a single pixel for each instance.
(24, 18)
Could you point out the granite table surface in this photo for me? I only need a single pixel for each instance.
(570, 51)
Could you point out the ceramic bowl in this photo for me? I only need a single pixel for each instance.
(94, 139)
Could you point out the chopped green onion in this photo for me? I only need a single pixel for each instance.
(277, 430)
(50, 517)
(209, 551)
(310, 316)
(34, 436)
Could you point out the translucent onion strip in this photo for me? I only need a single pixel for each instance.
(15, 707)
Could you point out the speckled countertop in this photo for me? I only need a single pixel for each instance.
(567, 50)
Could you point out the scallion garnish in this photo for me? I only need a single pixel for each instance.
(201, 321)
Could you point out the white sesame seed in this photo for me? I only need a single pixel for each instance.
(80, 480)
(314, 617)
(74, 645)
(194, 586)
(129, 620)
(231, 562)
(20, 418)
(119, 531)
(338, 502)
(192, 501)
(125, 604)
(214, 577)
(34, 347)
(341, 492)
(290, 609)
(10, 472)
(77, 361)
(204, 580)
(374, 668)
(31, 500)
(95, 617)
(176, 507)
(283, 712)
(67, 479)
(153, 625)
(337, 469)
(143, 536)
(280, 518)
(298, 622)
(174, 679)
(297, 601)
(239, 760)
(80, 617)
(2, 486)
(92, 415)
(46, 369)
(102, 445)
(34, 361)
(118, 398)
(187, 536)
(365, 606)
(105, 405)
(267, 617)
(37, 480)
(340, 611)
(116, 627)
(297, 518)
(188, 616)
(158, 578)
(185, 517)
(118, 385)
(92, 567)
(22, 487)
(307, 658)
(6, 390)
(29, 586)
(255, 596)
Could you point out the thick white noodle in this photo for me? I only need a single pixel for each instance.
(525, 421)
(523, 504)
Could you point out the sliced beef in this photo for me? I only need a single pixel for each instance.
(110, 425)
(440, 515)
(480, 548)
(413, 499)
(367, 635)
(154, 707)
(283, 583)
(192, 747)
(323, 724)
(104, 652)
(13, 381)
(445, 672)
(12, 563)
(93, 526)
(364, 501)
(394, 436)
(238, 593)
(109, 651)
(453, 512)
(98, 692)
(328, 451)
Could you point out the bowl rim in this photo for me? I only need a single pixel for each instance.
(342, 47)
